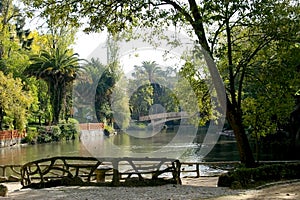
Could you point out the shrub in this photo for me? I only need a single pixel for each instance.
(68, 130)
(31, 136)
(56, 133)
(252, 177)
(110, 129)
(44, 134)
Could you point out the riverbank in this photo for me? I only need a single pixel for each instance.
(191, 188)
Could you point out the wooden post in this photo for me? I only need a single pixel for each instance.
(4, 171)
(198, 170)
(176, 174)
(100, 174)
(116, 176)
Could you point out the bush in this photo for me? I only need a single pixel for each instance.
(252, 177)
(110, 129)
(31, 136)
(69, 130)
(56, 133)
(45, 134)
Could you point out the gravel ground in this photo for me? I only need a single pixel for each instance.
(195, 189)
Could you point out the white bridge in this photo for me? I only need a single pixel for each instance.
(164, 117)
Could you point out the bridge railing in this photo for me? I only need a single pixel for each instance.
(164, 115)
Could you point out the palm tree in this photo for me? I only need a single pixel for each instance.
(58, 68)
(85, 88)
(149, 70)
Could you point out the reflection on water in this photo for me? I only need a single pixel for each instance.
(165, 144)
(20, 154)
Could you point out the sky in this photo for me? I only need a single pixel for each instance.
(130, 53)
(87, 43)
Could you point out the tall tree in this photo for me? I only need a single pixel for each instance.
(85, 90)
(111, 101)
(14, 102)
(216, 24)
(148, 70)
(15, 40)
(151, 84)
(59, 69)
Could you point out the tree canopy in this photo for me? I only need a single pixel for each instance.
(239, 36)
(14, 102)
(58, 68)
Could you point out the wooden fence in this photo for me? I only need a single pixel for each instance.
(104, 171)
(99, 171)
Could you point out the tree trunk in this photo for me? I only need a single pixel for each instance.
(235, 120)
(1, 117)
(57, 91)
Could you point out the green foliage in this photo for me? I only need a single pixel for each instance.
(247, 39)
(44, 134)
(62, 131)
(31, 136)
(104, 93)
(84, 90)
(56, 133)
(14, 101)
(140, 101)
(138, 126)
(120, 105)
(58, 68)
(111, 100)
(69, 129)
(73, 121)
(110, 129)
(148, 86)
(194, 84)
(271, 80)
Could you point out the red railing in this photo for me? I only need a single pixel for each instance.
(11, 134)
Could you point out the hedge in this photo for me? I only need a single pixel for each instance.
(253, 177)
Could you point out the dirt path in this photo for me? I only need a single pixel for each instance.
(281, 191)
(191, 188)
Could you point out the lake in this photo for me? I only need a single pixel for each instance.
(93, 143)
(180, 145)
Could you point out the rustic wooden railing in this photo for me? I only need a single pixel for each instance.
(192, 169)
(95, 171)
(10, 173)
(105, 173)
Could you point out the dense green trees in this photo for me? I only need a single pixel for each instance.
(17, 96)
(59, 69)
(99, 94)
(255, 45)
(14, 102)
(151, 84)
(85, 90)
(233, 33)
